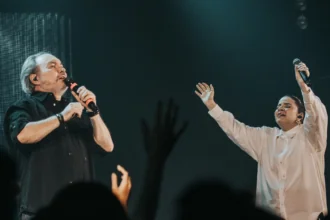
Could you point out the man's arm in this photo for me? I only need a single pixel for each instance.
(34, 132)
(21, 130)
(101, 133)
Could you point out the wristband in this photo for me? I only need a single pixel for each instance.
(60, 118)
(91, 114)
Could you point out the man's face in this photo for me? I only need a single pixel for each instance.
(50, 73)
(286, 112)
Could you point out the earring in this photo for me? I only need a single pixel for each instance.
(298, 121)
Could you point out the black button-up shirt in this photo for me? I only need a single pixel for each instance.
(62, 157)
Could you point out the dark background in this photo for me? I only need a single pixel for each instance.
(133, 53)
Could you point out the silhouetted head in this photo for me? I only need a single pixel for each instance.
(84, 201)
(8, 186)
(213, 199)
(205, 200)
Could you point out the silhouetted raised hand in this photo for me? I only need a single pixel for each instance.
(159, 142)
(161, 138)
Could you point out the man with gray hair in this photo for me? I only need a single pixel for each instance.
(51, 136)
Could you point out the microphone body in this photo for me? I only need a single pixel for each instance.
(303, 74)
(73, 86)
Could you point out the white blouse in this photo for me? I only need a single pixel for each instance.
(290, 179)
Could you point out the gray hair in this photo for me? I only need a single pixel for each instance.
(29, 67)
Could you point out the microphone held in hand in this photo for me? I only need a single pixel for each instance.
(74, 87)
(303, 74)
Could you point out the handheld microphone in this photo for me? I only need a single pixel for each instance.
(74, 87)
(303, 74)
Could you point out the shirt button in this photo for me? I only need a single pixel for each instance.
(65, 127)
(54, 104)
(85, 158)
(70, 182)
(70, 153)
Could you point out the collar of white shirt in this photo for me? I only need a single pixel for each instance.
(290, 133)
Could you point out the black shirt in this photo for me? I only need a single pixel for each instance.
(62, 157)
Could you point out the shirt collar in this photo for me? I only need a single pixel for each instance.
(290, 133)
(42, 96)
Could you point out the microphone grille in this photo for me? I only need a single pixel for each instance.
(296, 61)
(67, 81)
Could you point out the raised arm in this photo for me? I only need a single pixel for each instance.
(159, 141)
(316, 117)
(101, 132)
(249, 139)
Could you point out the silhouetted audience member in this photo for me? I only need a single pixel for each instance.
(84, 200)
(214, 200)
(8, 186)
(159, 140)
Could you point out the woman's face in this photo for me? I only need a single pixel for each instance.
(286, 113)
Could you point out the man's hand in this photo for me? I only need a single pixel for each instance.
(122, 191)
(84, 96)
(71, 110)
(300, 81)
(160, 140)
(206, 94)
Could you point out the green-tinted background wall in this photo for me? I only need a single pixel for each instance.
(133, 53)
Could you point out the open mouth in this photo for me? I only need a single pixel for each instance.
(62, 76)
(281, 114)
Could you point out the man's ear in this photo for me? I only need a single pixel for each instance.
(34, 79)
